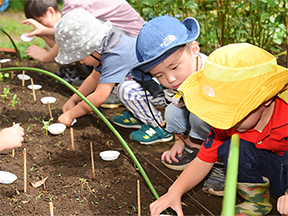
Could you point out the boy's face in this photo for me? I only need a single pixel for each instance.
(174, 70)
(258, 118)
(49, 19)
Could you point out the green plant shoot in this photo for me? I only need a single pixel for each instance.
(5, 94)
(46, 125)
(14, 101)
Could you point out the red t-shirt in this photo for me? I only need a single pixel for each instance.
(274, 136)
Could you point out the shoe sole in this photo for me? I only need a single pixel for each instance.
(212, 192)
(166, 139)
(111, 106)
(127, 126)
(175, 167)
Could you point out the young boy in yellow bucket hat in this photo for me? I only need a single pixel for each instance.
(241, 90)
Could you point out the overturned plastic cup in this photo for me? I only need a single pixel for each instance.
(49, 100)
(26, 77)
(56, 128)
(25, 38)
(7, 177)
(109, 155)
(36, 86)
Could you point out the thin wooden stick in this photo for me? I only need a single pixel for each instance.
(92, 161)
(25, 172)
(138, 192)
(33, 90)
(13, 150)
(12, 75)
(23, 80)
(51, 208)
(72, 138)
(49, 110)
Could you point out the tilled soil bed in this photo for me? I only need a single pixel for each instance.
(70, 186)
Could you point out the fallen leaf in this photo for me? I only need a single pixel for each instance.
(38, 183)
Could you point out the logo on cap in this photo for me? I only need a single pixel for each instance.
(168, 40)
(208, 91)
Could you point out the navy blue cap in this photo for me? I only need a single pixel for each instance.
(158, 39)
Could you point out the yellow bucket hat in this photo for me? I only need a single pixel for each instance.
(236, 79)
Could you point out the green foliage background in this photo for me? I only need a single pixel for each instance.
(260, 22)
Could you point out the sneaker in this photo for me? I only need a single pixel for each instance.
(214, 185)
(149, 135)
(71, 74)
(183, 161)
(127, 120)
(111, 102)
(77, 83)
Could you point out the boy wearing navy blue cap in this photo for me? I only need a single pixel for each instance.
(167, 50)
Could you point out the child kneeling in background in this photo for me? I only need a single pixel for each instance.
(243, 91)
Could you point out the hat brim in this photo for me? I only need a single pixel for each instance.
(193, 31)
(226, 115)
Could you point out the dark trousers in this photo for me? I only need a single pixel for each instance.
(255, 163)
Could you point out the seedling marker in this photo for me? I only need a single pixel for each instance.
(72, 138)
(51, 208)
(25, 171)
(23, 78)
(92, 161)
(51, 117)
(33, 90)
(138, 190)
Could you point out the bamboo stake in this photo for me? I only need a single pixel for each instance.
(51, 208)
(138, 192)
(13, 150)
(12, 75)
(33, 90)
(23, 80)
(51, 117)
(25, 173)
(92, 161)
(72, 138)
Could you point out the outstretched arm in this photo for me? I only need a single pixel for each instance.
(189, 178)
(39, 29)
(42, 55)
(11, 137)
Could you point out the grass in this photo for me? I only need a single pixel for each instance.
(10, 20)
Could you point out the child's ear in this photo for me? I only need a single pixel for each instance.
(51, 10)
(195, 50)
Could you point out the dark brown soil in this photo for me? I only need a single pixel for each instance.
(70, 186)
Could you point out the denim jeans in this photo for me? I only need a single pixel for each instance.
(176, 121)
(255, 163)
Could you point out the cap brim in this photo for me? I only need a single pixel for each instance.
(225, 116)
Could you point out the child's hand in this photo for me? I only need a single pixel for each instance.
(170, 155)
(65, 119)
(282, 205)
(11, 137)
(36, 53)
(167, 200)
(39, 29)
(68, 105)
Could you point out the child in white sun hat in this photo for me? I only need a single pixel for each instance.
(81, 37)
(243, 91)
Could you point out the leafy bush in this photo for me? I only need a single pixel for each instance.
(260, 22)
